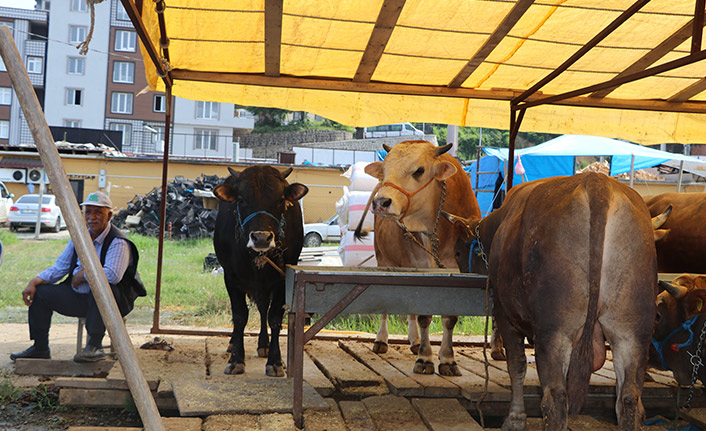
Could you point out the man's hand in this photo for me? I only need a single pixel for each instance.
(77, 279)
(30, 290)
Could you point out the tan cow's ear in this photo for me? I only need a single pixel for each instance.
(444, 170)
(660, 234)
(694, 302)
(375, 170)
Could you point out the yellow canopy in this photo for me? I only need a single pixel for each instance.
(463, 62)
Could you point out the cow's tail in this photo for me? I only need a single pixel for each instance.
(581, 362)
(359, 233)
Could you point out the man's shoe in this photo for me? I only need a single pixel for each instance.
(31, 352)
(90, 354)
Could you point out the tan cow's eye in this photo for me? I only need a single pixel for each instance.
(418, 173)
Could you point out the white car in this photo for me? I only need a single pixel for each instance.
(317, 233)
(5, 202)
(24, 213)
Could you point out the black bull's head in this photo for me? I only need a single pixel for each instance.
(261, 198)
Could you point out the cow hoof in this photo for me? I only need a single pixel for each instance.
(380, 347)
(274, 370)
(449, 369)
(423, 367)
(232, 368)
(414, 348)
(263, 352)
(515, 422)
(498, 355)
(230, 348)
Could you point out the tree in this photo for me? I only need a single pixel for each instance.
(268, 117)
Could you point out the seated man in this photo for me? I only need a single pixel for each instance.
(72, 296)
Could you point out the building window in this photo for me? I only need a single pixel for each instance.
(2, 66)
(127, 132)
(5, 95)
(207, 110)
(4, 129)
(122, 15)
(121, 103)
(72, 123)
(73, 96)
(124, 72)
(79, 5)
(77, 33)
(34, 64)
(160, 103)
(125, 40)
(77, 66)
(205, 139)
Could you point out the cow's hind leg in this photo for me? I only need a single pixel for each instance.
(629, 358)
(239, 308)
(496, 344)
(380, 345)
(274, 366)
(447, 364)
(424, 364)
(516, 367)
(553, 354)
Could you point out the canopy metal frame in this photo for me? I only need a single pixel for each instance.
(362, 81)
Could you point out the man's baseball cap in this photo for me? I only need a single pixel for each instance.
(98, 199)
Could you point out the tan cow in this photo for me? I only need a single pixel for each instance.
(417, 180)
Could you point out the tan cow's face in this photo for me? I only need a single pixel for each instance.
(410, 177)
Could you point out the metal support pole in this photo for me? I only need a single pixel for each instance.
(102, 293)
(681, 175)
(298, 371)
(632, 170)
(515, 121)
(38, 225)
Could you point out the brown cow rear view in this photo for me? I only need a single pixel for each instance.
(572, 264)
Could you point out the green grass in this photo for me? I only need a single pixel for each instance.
(188, 296)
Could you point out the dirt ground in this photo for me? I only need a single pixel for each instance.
(31, 403)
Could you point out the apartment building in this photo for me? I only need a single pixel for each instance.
(106, 88)
(29, 29)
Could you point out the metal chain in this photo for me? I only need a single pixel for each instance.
(476, 232)
(696, 363)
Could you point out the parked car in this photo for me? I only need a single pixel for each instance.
(24, 213)
(317, 233)
(5, 202)
(388, 130)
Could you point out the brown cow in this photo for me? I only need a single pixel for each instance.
(572, 264)
(679, 327)
(416, 180)
(683, 250)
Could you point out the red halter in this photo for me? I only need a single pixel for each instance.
(408, 195)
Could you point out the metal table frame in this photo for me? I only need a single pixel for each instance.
(464, 294)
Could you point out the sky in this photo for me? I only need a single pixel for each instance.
(24, 4)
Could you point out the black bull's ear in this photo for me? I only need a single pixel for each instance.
(226, 192)
(295, 191)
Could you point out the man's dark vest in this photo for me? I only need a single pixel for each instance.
(130, 286)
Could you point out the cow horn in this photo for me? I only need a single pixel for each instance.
(285, 173)
(675, 290)
(386, 147)
(441, 150)
(658, 221)
(232, 172)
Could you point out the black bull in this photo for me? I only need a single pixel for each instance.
(258, 230)
(572, 263)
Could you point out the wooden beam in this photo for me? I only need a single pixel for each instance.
(493, 40)
(387, 19)
(689, 92)
(584, 49)
(142, 33)
(673, 41)
(273, 36)
(698, 27)
(671, 65)
(427, 90)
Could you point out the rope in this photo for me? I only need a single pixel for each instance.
(83, 46)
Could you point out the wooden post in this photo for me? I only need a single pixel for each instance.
(49, 154)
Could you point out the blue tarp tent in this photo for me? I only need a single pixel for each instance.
(556, 157)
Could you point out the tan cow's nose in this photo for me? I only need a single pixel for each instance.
(383, 203)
